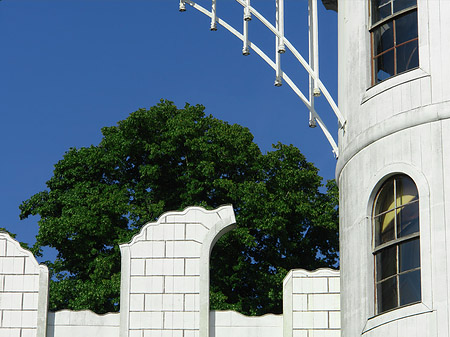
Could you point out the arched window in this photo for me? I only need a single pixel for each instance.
(396, 244)
(394, 37)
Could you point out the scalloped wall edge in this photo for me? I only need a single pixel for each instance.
(227, 209)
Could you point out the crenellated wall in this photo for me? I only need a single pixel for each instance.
(85, 323)
(164, 290)
(23, 291)
(165, 273)
(311, 303)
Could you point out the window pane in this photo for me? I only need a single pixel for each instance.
(379, 3)
(410, 287)
(406, 27)
(402, 4)
(387, 294)
(386, 262)
(384, 66)
(407, 56)
(384, 11)
(383, 38)
(406, 190)
(385, 198)
(409, 255)
(384, 228)
(408, 219)
(383, 6)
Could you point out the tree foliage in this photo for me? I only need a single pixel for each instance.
(167, 158)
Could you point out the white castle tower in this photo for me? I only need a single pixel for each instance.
(394, 167)
(393, 172)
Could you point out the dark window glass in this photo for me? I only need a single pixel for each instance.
(409, 285)
(386, 263)
(384, 11)
(384, 66)
(381, 9)
(384, 35)
(407, 56)
(406, 27)
(409, 255)
(387, 295)
(403, 4)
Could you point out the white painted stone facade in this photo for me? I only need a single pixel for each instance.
(164, 290)
(23, 291)
(165, 274)
(233, 324)
(397, 126)
(67, 323)
(311, 303)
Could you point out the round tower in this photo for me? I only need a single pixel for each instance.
(394, 167)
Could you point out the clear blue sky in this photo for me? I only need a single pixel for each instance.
(70, 67)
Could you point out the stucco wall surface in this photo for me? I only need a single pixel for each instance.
(397, 126)
(402, 101)
(417, 152)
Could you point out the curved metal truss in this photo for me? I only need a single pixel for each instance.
(316, 86)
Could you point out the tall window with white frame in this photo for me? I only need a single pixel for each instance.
(394, 37)
(396, 244)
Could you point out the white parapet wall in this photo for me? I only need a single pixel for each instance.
(165, 274)
(23, 291)
(165, 290)
(67, 323)
(234, 324)
(311, 303)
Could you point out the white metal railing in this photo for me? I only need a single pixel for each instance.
(316, 87)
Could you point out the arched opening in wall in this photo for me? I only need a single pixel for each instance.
(228, 279)
(242, 279)
(246, 280)
(296, 228)
(396, 244)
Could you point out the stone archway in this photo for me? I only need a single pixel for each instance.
(165, 273)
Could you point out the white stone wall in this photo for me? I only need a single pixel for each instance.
(164, 290)
(231, 323)
(418, 155)
(400, 125)
(401, 101)
(311, 303)
(67, 323)
(23, 291)
(165, 274)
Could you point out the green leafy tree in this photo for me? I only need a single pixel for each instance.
(167, 158)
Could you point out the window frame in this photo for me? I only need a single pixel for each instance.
(396, 242)
(389, 319)
(390, 18)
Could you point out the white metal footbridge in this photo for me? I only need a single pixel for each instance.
(316, 87)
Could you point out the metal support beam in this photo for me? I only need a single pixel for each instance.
(247, 18)
(278, 42)
(316, 85)
(214, 15)
(182, 7)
